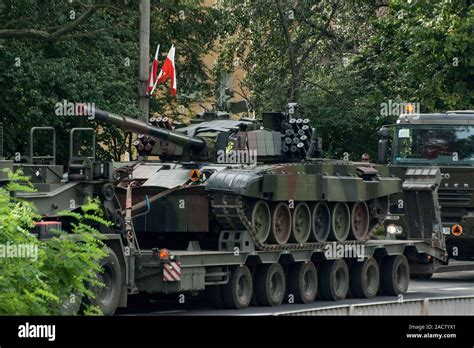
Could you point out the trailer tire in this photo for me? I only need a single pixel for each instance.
(107, 298)
(395, 275)
(71, 305)
(365, 279)
(303, 282)
(270, 285)
(334, 282)
(214, 296)
(237, 293)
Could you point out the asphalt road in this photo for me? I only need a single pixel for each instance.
(441, 285)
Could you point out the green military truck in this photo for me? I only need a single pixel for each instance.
(446, 141)
(289, 227)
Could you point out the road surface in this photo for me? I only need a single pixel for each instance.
(441, 285)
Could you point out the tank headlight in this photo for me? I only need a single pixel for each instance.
(394, 229)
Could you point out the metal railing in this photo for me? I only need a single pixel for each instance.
(459, 305)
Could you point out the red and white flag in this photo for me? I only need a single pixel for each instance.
(153, 72)
(168, 71)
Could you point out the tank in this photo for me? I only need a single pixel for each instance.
(233, 183)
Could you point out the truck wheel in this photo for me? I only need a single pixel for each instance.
(107, 298)
(270, 285)
(395, 275)
(237, 293)
(303, 282)
(334, 282)
(214, 296)
(365, 278)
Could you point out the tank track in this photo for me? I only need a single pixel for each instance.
(229, 211)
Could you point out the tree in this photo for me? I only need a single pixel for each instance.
(94, 61)
(13, 29)
(341, 60)
(300, 51)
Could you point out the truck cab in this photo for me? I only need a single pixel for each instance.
(444, 140)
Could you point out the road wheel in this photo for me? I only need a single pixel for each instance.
(340, 222)
(301, 223)
(365, 278)
(359, 221)
(303, 282)
(334, 282)
(107, 298)
(214, 296)
(281, 224)
(261, 219)
(321, 222)
(271, 284)
(395, 275)
(237, 293)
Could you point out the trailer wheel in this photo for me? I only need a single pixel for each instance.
(71, 305)
(303, 282)
(334, 282)
(365, 278)
(107, 298)
(214, 296)
(270, 285)
(237, 293)
(395, 275)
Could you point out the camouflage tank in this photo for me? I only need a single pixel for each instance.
(218, 177)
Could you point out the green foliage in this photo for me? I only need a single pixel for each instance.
(370, 53)
(96, 63)
(62, 269)
(422, 51)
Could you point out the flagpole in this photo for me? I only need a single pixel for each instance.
(152, 72)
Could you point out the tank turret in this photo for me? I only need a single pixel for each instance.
(276, 138)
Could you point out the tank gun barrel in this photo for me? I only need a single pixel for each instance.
(133, 125)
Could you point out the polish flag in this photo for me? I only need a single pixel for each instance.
(168, 71)
(153, 72)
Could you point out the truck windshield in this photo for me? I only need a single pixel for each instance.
(434, 145)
